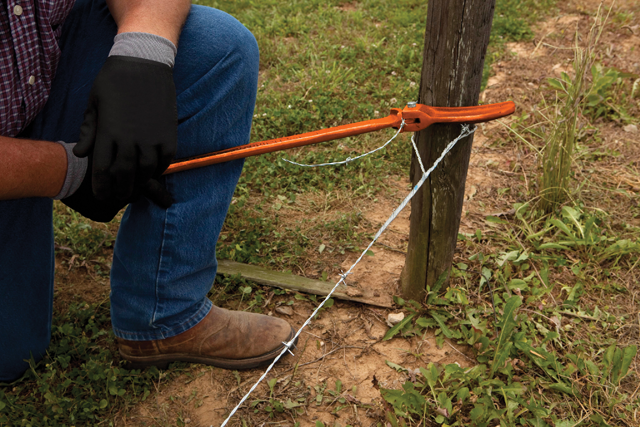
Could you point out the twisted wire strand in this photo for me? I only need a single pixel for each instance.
(348, 159)
(415, 148)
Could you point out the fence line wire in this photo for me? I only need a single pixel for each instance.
(465, 131)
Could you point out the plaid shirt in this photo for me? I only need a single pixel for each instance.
(29, 56)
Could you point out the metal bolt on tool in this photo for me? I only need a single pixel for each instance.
(411, 104)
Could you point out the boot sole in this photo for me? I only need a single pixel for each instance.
(162, 361)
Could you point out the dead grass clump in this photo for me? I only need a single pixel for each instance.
(559, 148)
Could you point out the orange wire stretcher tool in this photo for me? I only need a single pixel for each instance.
(416, 117)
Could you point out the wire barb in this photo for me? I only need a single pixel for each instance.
(344, 275)
(288, 345)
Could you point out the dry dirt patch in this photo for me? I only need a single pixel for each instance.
(348, 7)
(343, 344)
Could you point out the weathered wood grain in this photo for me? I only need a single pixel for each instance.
(456, 40)
(281, 280)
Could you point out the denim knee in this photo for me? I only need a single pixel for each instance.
(216, 76)
(231, 41)
(246, 47)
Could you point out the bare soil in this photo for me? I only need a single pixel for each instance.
(345, 342)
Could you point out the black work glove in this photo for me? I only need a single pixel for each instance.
(84, 201)
(130, 130)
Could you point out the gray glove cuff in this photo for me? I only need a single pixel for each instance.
(76, 170)
(144, 46)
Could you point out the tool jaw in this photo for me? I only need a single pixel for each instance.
(422, 116)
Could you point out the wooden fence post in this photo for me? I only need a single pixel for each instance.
(456, 40)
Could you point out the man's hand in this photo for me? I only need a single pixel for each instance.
(130, 126)
(85, 202)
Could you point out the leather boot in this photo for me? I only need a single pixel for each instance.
(225, 339)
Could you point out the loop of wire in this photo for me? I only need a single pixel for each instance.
(348, 159)
(465, 131)
(415, 148)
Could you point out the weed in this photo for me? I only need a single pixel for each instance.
(602, 98)
(79, 236)
(536, 363)
(609, 97)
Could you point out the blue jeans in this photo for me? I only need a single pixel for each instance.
(164, 261)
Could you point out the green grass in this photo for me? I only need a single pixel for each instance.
(79, 382)
(77, 236)
(323, 63)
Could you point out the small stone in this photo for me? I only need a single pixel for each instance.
(285, 309)
(631, 128)
(394, 318)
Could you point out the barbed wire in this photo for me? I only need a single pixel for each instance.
(465, 131)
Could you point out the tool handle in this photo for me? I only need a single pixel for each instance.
(262, 147)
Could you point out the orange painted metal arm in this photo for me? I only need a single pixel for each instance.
(416, 118)
(423, 116)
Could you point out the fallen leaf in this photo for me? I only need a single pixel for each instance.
(351, 399)
(472, 192)
(443, 412)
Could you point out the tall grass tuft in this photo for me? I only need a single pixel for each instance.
(557, 156)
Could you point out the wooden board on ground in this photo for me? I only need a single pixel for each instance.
(290, 281)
